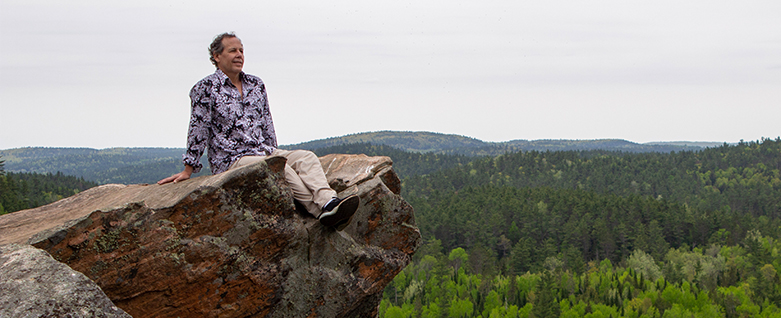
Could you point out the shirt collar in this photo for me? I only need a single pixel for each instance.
(224, 78)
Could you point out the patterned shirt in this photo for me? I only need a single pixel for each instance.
(229, 124)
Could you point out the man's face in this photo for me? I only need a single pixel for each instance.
(231, 60)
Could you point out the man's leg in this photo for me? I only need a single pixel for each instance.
(309, 170)
(336, 212)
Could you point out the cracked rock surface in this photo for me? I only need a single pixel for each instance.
(232, 244)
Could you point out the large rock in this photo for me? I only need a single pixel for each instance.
(33, 284)
(231, 245)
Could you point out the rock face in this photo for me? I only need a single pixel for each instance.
(232, 244)
(33, 284)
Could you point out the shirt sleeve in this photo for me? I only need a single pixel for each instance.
(198, 132)
(269, 134)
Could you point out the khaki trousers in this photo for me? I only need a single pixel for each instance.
(303, 174)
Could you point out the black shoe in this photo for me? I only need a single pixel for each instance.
(339, 212)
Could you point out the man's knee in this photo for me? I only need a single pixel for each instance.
(305, 157)
(305, 153)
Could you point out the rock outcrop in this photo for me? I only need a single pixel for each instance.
(33, 284)
(232, 244)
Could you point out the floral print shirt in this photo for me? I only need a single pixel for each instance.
(229, 124)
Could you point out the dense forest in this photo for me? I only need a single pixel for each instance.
(718, 281)
(597, 234)
(19, 191)
(583, 233)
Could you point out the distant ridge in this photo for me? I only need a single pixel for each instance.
(703, 144)
(415, 141)
(425, 142)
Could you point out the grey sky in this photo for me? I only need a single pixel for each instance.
(117, 73)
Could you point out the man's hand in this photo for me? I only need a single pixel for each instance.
(181, 176)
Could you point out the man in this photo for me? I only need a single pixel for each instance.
(230, 116)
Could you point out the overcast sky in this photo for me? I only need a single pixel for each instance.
(110, 73)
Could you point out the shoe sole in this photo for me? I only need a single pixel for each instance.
(342, 212)
(343, 224)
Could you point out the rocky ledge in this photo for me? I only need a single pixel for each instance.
(232, 244)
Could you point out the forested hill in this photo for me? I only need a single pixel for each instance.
(408, 141)
(428, 142)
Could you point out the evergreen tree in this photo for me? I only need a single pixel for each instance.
(545, 303)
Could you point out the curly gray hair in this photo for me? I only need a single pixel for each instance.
(216, 47)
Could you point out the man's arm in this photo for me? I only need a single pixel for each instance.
(197, 134)
(181, 176)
